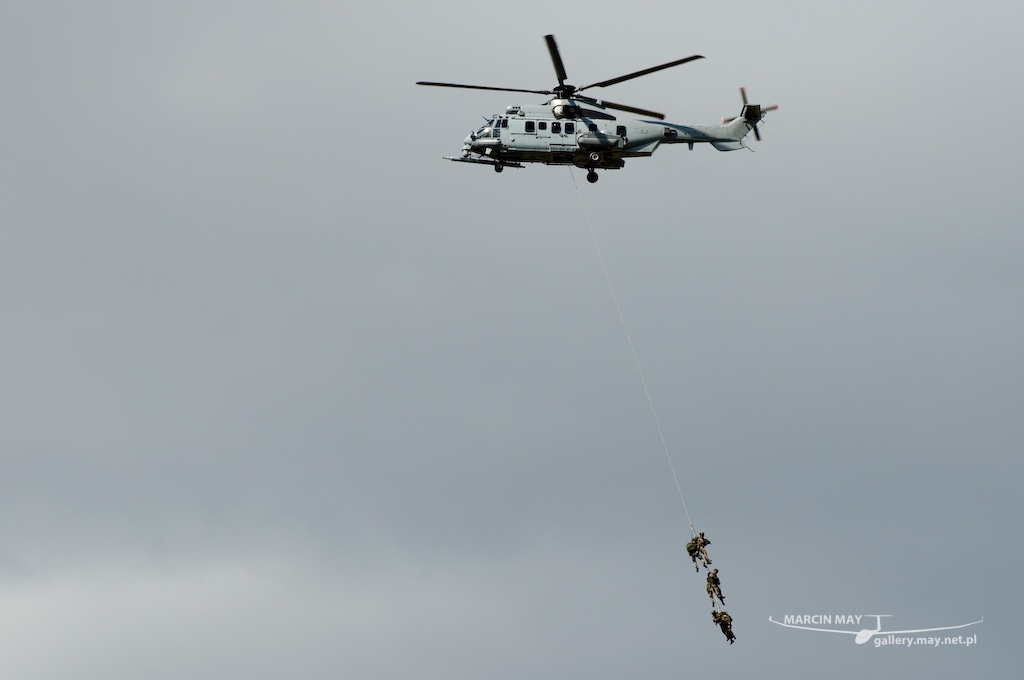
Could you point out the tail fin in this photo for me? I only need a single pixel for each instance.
(750, 116)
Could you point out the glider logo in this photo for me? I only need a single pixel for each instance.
(882, 637)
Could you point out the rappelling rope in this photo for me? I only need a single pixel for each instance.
(636, 361)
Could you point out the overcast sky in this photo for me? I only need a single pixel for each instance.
(285, 394)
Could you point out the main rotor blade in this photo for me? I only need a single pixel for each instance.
(632, 109)
(556, 59)
(482, 87)
(630, 76)
(756, 133)
(743, 93)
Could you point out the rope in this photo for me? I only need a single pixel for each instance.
(631, 349)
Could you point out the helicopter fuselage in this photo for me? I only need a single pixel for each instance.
(583, 133)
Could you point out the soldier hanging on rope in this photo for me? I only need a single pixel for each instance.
(715, 587)
(702, 544)
(693, 551)
(724, 621)
(697, 551)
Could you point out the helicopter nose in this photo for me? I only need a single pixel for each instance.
(468, 140)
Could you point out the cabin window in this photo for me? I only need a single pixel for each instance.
(620, 130)
(570, 128)
(542, 125)
(556, 128)
(592, 127)
(530, 126)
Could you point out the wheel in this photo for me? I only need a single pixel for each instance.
(595, 157)
(591, 176)
(498, 167)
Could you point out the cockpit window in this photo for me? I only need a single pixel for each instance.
(485, 131)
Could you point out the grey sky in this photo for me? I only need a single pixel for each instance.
(286, 394)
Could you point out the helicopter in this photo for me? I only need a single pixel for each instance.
(578, 130)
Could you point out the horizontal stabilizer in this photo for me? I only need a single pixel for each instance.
(727, 146)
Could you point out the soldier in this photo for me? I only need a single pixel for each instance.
(702, 544)
(724, 621)
(693, 550)
(715, 587)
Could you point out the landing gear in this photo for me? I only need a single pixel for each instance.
(595, 157)
(498, 167)
(591, 176)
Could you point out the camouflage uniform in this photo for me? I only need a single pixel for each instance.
(702, 544)
(715, 587)
(724, 621)
(693, 550)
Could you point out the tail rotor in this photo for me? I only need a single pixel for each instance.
(752, 114)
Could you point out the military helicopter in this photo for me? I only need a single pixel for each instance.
(574, 129)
